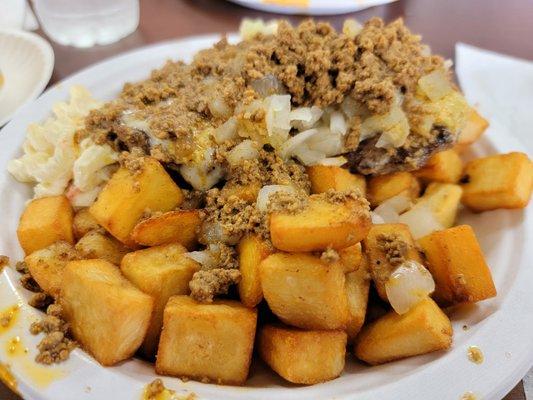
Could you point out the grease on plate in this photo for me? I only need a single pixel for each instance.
(156, 390)
(475, 355)
(8, 317)
(7, 378)
(468, 396)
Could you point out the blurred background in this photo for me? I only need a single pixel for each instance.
(82, 32)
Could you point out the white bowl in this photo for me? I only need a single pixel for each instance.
(502, 327)
(312, 7)
(26, 62)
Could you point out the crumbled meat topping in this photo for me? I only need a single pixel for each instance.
(330, 256)
(287, 202)
(21, 267)
(56, 346)
(155, 389)
(28, 283)
(192, 199)
(339, 197)
(205, 285)
(394, 247)
(133, 160)
(40, 300)
(4, 261)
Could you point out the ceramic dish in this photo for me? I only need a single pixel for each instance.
(502, 327)
(310, 7)
(26, 62)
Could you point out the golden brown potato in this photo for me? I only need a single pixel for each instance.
(474, 128)
(423, 329)
(45, 221)
(458, 266)
(321, 225)
(357, 287)
(443, 200)
(305, 357)
(108, 316)
(129, 194)
(246, 192)
(251, 250)
(325, 177)
(171, 227)
(211, 342)
(381, 261)
(500, 181)
(46, 265)
(351, 257)
(99, 245)
(83, 223)
(445, 166)
(161, 272)
(304, 291)
(383, 187)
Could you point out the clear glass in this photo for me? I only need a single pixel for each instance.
(85, 23)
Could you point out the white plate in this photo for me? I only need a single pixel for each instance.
(501, 327)
(311, 7)
(26, 61)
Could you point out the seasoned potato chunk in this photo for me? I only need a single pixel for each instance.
(321, 225)
(423, 329)
(108, 316)
(161, 272)
(383, 187)
(304, 291)
(171, 227)
(129, 194)
(325, 177)
(445, 166)
(99, 245)
(357, 288)
(381, 246)
(458, 266)
(45, 221)
(211, 342)
(443, 200)
(305, 357)
(500, 181)
(83, 223)
(251, 250)
(46, 265)
(351, 257)
(474, 128)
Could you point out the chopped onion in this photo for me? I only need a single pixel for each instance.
(334, 161)
(214, 233)
(268, 85)
(351, 28)
(304, 118)
(408, 285)
(278, 108)
(226, 131)
(308, 156)
(250, 28)
(290, 145)
(350, 107)
(327, 142)
(391, 209)
(266, 191)
(382, 123)
(246, 150)
(376, 218)
(219, 108)
(421, 220)
(204, 257)
(435, 85)
(337, 123)
(201, 179)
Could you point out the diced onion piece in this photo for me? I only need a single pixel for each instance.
(337, 123)
(308, 156)
(376, 218)
(327, 142)
(278, 108)
(304, 118)
(266, 191)
(435, 85)
(408, 285)
(395, 121)
(351, 28)
(350, 107)
(226, 131)
(201, 179)
(268, 85)
(421, 220)
(219, 108)
(334, 161)
(391, 209)
(204, 257)
(290, 145)
(246, 150)
(250, 28)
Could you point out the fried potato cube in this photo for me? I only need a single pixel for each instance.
(129, 194)
(381, 262)
(207, 341)
(45, 221)
(445, 166)
(383, 187)
(321, 225)
(351, 257)
(423, 329)
(251, 251)
(500, 181)
(83, 223)
(357, 287)
(247, 192)
(96, 244)
(108, 316)
(304, 357)
(46, 265)
(474, 128)
(171, 227)
(161, 272)
(443, 200)
(304, 291)
(458, 266)
(326, 177)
